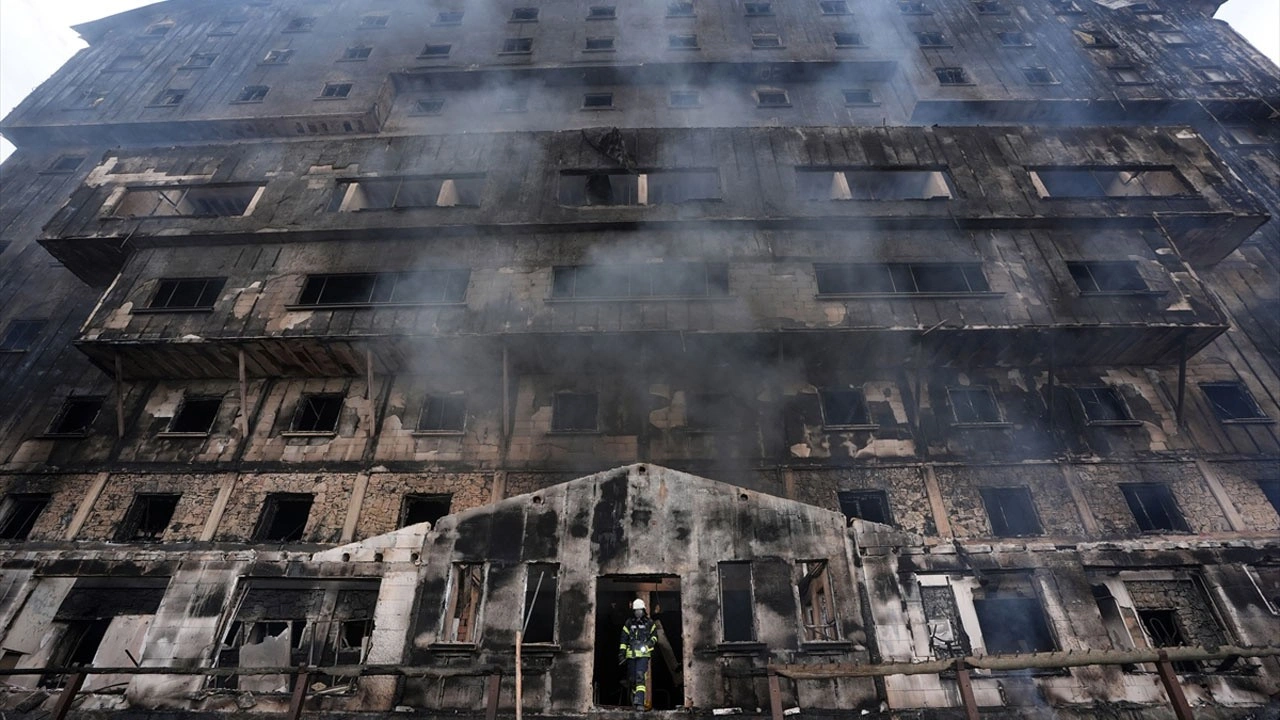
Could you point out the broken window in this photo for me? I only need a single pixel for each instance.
(1106, 277)
(1103, 405)
(1174, 37)
(844, 408)
(524, 14)
(766, 40)
(758, 9)
(287, 623)
(77, 645)
(1161, 628)
(1232, 402)
(1039, 75)
(900, 278)
(602, 12)
(277, 57)
(408, 192)
(990, 7)
(186, 293)
(1013, 624)
(335, 90)
(66, 164)
(228, 27)
(1092, 38)
(597, 101)
(188, 201)
(869, 505)
(584, 188)
(196, 415)
(974, 405)
(672, 280)
(429, 106)
(951, 76)
(21, 335)
(443, 413)
(683, 99)
(574, 412)
(317, 413)
(170, 97)
(817, 604)
(599, 44)
(947, 637)
(773, 98)
(1216, 75)
(449, 17)
(736, 604)
(708, 411)
(1113, 620)
(1176, 612)
(858, 96)
(284, 517)
(439, 50)
(873, 184)
(76, 416)
(101, 615)
(913, 7)
(399, 288)
(1154, 507)
(1271, 489)
(540, 592)
(199, 61)
(357, 52)
(679, 8)
(833, 7)
(148, 517)
(18, 514)
(847, 39)
(462, 611)
(374, 21)
(931, 38)
(1011, 512)
(424, 508)
(300, 24)
(1127, 75)
(682, 41)
(517, 45)
(1013, 38)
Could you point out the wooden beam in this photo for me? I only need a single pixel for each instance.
(301, 680)
(68, 696)
(1173, 687)
(244, 397)
(966, 691)
(368, 370)
(119, 397)
(491, 702)
(1182, 381)
(775, 696)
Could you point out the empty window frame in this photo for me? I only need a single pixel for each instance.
(931, 38)
(126, 62)
(1271, 489)
(428, 106)
(436, 50)
(1011, 512)
(574, 412)
(1013, 38)
(300, 24)
(541, 588)
(973, 405)
(874, 184)
(398, 288)
(1232, 402)
(1154, 507)
(682, 41)
(1104, 405)
(449, 17)
(914, 7)
(758, 9)
(199, 61)
(317, 413)
(858, 96)
(817, 602)
(160, 28)
(357, 52)
(947, 637)
(602, 12)
(669, 280)
(833, 7)
(407, 192)
(1066, 7)
(847, 39)
(901, 279)
(186, 293)
(191, 201)
(1013, 625)
(737, 606)
(228, 27)
(18, 514)
(599, 44)
(374, 21)
(684, 99)
(705, 412)
(418, 508)
(772, 99)
(148, 517)
(679, 8)
(169, 97)
(517, 46)
(76, 416)
(843, 407)
(277, 57)
(662, 187)
(524, 14)
(252, 94)
(514, 102)
(462, 607)
(1100, 182)
(990, 7)
(77, 646)
(443, 414)
(1039, 75)
(1127, 75)
(21, 335)
(335, 91)
(951, 76)
(284, 517)
(1174, 37)
(597, 101)
(1092, 38)
(1216, 75)
(1093, 277)
(196, 415)
(869, 505)
(766, 41)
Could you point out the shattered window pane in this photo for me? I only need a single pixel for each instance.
(186, 293)
(187, 201)
(1231, 401)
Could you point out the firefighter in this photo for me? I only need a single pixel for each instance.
(639, 638)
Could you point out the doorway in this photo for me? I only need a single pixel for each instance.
(661, 594)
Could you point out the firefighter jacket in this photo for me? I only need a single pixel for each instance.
(639, 637)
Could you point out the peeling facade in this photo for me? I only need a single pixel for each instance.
(347, 333)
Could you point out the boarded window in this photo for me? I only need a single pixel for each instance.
(317, 413)
(844, 408)
(900, 278)
(736, 603)
(284, 517)
(1153, 507)
(1107, 182)
(1013, 625)
(579, 188)
(188, 201)
(1231, 402)
(424, 508)
(21, 335)
(76, 416)
(574, 412)
(1106, 277)
(640, 281)
(148, 517)
(462, 611)
(869, 505)
(408, 288)
(443, 413)
(817, 603)
(186, 294)
(540, 593)
(975, 405)
(196, 415)
(408, 192)
(1011, 512)
(873, 184)
(18, 514)
(947, 637)
(1103, 405)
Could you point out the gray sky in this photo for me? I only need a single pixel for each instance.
(36, 37)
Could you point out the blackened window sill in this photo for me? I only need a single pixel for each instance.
(366, 306)
(453, 648)
(981, 425)
(850, 428)
(1122, 293)
(825, 646)
(751, 647)
(162, 311)
(183, 435)
(906, 296)
(1248, 421)
(1113, 423)
(437, 433)
(309, 434)
(539, 648)
(654, 298)
(575, 432)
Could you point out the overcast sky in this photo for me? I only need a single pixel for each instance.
(36, 37)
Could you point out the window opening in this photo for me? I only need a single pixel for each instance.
(408, 192)
(410, 288)
(679, 9)
(599, 43)
(169, 97)
(874, 184)
(1013, 38)
(186, 294)
(574, 412)
(200, 60)
(66, 163)
(429, 106)
(687, 41)
(1106, 277)
(834, 7)
(77, 647)
(450, 17)
(847, 39)
(858, 96)
(317, 413)
(1231, 401)
(1271, 489)
(736, 603)
(284, 517)
(684, 99)
(674, 280)
(912, 7)
(443, 413)
(951, 76)
(973, 405)
(1174, 37)
(188, 201)
(585, 188)
(757, 9)
(148, 517)
(21, 335)
(931, 38)
(300, 24)
(463, 610)
(1013, 625)
(817, 604)
(374, 21)
(357, 52)
(76, 416)
(524, 14)
(1107, 182)
(766, 40)
(1161, 627)
(277, 57)
(602, 12)
(1092, 38)
(517, 45)
(516, 102)
(1127, 75)
(869, 505)
(773, 98)
(844, 408)
(900, 278)
(335, 90)
(253, 93)
(18, 514)
(1103, 405)
(228, 27)
(597, 101)
(197, 415)
(1154, 507)
(424, 508)
(436, 51)
(990, 7)
(1011, 512)
(1039, 75)
(947, 637)
(540, 593)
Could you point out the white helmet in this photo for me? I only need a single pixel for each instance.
(638, 604)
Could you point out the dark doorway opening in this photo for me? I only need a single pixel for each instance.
(661, 594)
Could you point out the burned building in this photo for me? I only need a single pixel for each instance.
(907, 358)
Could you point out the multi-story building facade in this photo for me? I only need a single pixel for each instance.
(373, 332)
